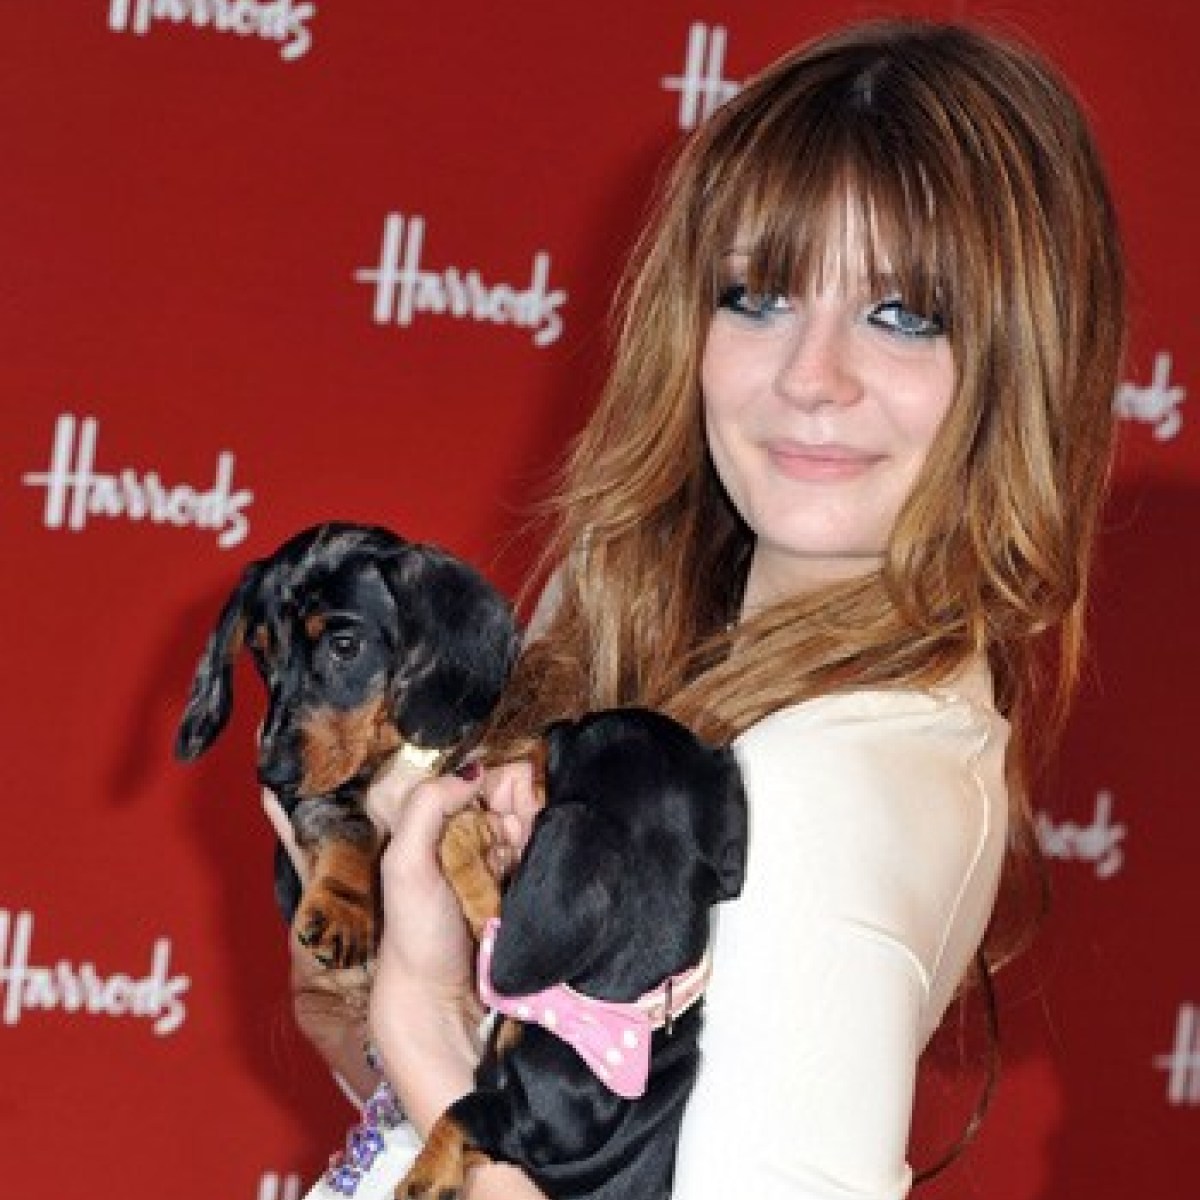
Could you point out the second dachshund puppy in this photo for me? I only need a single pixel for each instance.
(599, 962)
(369, 645)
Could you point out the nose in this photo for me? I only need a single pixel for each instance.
(818, 365)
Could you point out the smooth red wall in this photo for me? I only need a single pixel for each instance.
(213, 333)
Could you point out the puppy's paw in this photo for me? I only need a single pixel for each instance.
(338, 926)
(463, 855)
(440, 1170)
(336, 918)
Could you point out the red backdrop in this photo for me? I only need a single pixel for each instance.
(223, 242)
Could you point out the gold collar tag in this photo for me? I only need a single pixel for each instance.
(423, 758)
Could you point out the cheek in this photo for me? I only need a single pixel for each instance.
(719, 426)
(727, 455)
(714, 403)
(923, 404)
(710, 380)
(727, 384)
(726, 369)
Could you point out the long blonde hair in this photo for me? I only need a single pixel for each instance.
(974, 168)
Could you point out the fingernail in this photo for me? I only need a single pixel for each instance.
(469, 770)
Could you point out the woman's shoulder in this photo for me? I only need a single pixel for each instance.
(928, 747)
(895, 799)
(959, 712)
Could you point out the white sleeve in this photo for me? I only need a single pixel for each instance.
(877, 828)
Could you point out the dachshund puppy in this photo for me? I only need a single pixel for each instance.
(368, 645)
(599, 962)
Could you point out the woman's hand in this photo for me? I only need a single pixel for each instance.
(425, 938)
(424, 1014)
(512, 799)
(424, 1008)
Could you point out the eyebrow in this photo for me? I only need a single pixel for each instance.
(887, 282)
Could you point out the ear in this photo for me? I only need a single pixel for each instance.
(458, 640)
(211, 698)
(556, 911)
(725, 826)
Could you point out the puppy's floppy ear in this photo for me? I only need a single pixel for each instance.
(457, 643)
(211, 698)
(555, 911)
(725, 824)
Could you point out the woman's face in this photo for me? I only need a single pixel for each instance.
(819, 412)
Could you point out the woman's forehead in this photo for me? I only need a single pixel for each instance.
(847, 245)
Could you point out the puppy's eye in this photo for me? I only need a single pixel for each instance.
(345, 647)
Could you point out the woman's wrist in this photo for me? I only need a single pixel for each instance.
(428, 1045)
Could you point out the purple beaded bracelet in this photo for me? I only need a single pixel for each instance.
(365, 1142)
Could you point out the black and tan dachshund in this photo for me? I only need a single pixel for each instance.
(368, 645)
(600, 956)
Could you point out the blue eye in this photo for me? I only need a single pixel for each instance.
(893, 316)
(739, 299)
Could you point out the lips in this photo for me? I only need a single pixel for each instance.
(825, 462)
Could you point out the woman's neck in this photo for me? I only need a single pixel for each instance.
(775, 577)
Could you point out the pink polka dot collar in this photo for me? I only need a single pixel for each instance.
(612, 1037)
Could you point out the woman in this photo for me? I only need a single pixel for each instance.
(837, 505)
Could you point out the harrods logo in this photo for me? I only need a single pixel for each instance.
(1182, 1062)
(404, 290)
(701, 88)
(77, 492)
(283, 21)
(70, 987)
(1157, 403)
(1099, 842)
(273, 1186)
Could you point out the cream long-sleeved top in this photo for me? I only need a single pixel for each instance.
(877, 829)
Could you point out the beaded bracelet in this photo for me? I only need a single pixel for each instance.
(365, 1142)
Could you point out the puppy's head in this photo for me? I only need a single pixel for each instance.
(644, 828)
(361, 639)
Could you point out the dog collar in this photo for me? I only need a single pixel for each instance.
(424, 758)
(612, 1037)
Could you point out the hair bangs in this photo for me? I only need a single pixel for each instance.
(840, 194)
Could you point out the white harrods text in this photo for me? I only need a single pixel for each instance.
(71, 987)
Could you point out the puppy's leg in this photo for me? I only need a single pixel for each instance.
(439, 1172)
(463, 855)
(336, 919)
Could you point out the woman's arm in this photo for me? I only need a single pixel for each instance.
(424, 1011)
